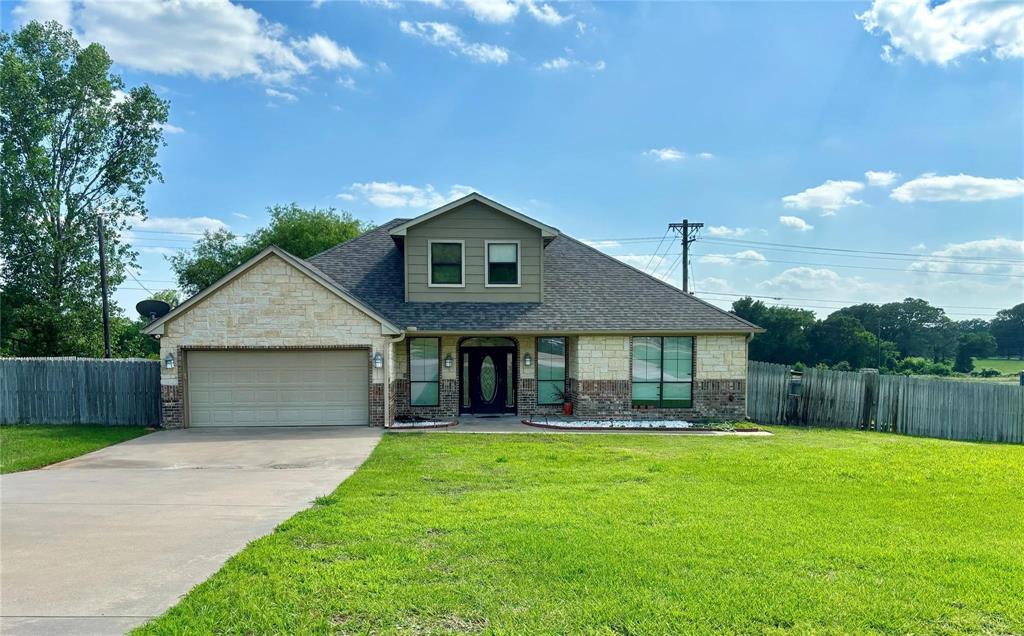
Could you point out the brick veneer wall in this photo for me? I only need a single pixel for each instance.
(447, 408)
(712, 400)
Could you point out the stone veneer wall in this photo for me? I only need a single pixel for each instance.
(604, 389)
(272, 305)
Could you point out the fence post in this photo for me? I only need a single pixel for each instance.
(869, 411)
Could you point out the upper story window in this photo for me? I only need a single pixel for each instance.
(447, 264)
(502, 263)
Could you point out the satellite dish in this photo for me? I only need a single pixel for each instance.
(152, 308)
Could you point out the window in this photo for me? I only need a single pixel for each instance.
(447, 263)
(550, 370)
(424, 371)
(502, 264)
(663, 372)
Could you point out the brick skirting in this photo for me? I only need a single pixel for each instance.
(448, 401)
(171, 405)
(712, 400)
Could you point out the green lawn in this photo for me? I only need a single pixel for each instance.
(1002, 365)
(26, 447)
(805, 532)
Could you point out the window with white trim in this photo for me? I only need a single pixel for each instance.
(502, 264)
(447, 264)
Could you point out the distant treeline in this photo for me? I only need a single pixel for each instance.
(910, 336)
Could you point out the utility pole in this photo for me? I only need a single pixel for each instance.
(103, 287)
(688, 232)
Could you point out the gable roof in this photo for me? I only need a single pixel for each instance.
(156, 327)
(545, 230)
(585, 291)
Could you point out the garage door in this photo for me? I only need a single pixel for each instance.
(277, 388)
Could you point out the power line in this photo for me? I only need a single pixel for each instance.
(830, 300)
(794, 262)
(657, 249)
(981, 260)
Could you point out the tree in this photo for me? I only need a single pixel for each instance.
(978, 344)
(841, 338)
(72, 144)
(785, 339)
(1008, 330)
(294, 229)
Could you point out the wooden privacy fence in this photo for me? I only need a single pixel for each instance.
(929, 407)
(79, 391)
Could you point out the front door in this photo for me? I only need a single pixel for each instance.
(490, 379)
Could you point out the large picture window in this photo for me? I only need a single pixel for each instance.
(424, 371)
(446, 263)
(663, 371)
(502, 264)
(550, 370)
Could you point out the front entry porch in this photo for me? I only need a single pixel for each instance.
(488, 375)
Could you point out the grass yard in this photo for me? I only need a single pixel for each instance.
(30, 446)
(806, 532)
(1002, 365)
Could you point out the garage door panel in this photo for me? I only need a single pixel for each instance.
(277, 388)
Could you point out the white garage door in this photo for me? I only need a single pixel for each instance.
(277, 388)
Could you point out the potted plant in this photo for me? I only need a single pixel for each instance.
(566, 404)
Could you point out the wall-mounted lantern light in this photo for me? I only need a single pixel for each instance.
(527, 360)
(448, 361)
(378, 360)
(169, 361)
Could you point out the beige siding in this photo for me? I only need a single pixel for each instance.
(273, 304)
(473, 223)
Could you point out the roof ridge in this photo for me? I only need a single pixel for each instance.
(658, 280)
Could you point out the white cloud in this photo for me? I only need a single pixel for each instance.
(666, 154)
(345, 196)
(562, 63)
(347, 82)
(820, 280)
(739, 258)
(828, 197)
(327, 53)
(285, 95)
(501, 11)
(601, 245)
(706, 155)
(545, 13)
(944, 32)
(1006, 256)
(961, 187)
(162, 251)
(211, 39)
(795, 223)
(448, 36)
(171, 129)
(186, 224)
(395, 195)
(240, 215)
(721, 230)
(44, 10)
(880, 178)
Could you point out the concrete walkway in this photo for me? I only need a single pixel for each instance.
(101, 543)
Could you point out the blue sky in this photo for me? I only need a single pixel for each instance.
(607, 120)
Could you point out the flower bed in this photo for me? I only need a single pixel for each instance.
(416, 424)
(634, 425)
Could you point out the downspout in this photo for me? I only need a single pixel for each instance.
(387, 377)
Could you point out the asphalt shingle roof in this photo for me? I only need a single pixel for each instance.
(584, 290)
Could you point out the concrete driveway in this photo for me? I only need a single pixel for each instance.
(101, 543)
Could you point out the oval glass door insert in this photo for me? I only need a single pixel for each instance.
(488, 379)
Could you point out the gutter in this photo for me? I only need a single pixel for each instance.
(387, 377)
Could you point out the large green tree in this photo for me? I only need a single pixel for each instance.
(1008, 329)
(841, 338)
(299, 231)
(785, 340)
(73, 144)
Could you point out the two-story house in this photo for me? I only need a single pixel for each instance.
(472, 308)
